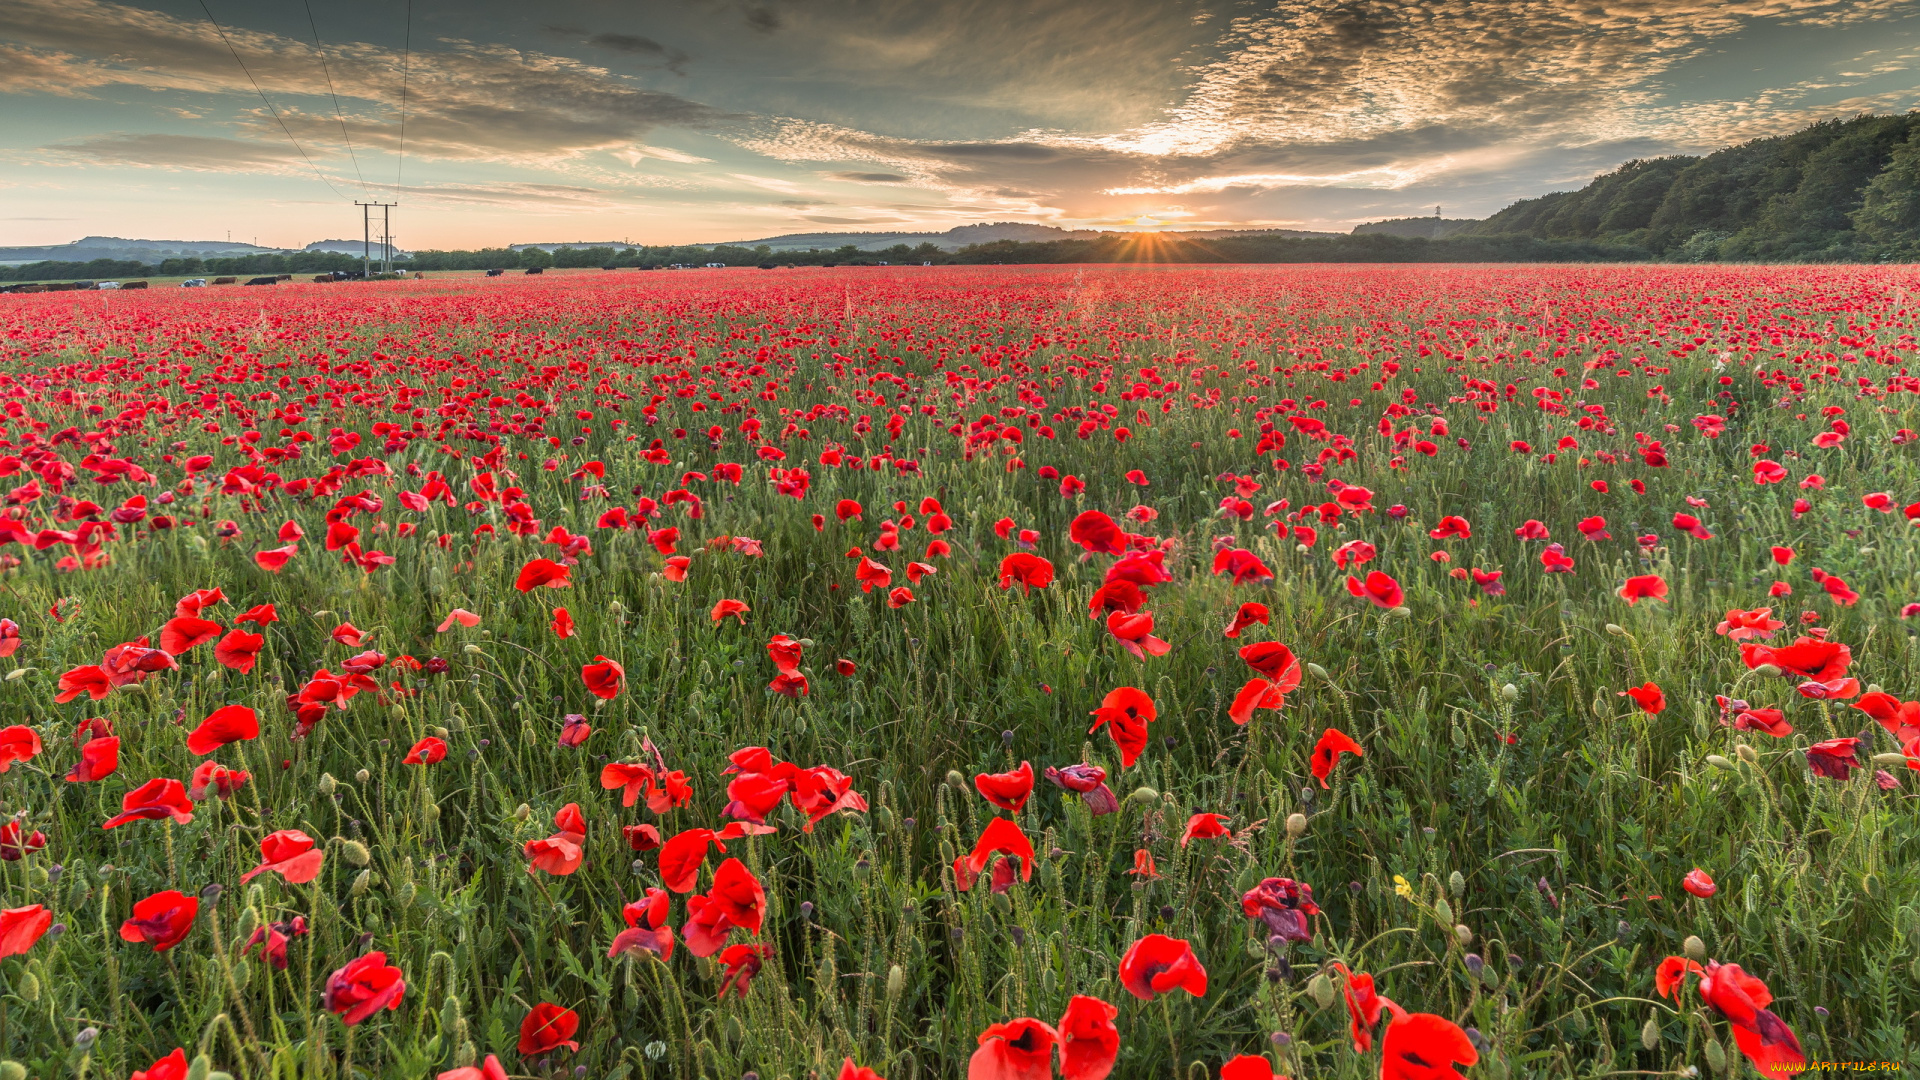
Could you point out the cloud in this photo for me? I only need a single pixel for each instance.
(634, 45)
(465, 101)
(868, 177)
(200, 153)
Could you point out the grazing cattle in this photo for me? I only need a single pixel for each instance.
(224, 280)
(133, 285)
(322, 279)
(268, 279)
(536, 269)
(283, 277)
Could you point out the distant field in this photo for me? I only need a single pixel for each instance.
(1354, 670)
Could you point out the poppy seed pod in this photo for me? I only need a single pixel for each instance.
(1296, 824)
(1320, 988)
(1694, 948)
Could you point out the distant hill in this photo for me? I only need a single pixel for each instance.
(1835, 191)
(88, 248)
(961, 236)
(355, 247)
(1423, 228)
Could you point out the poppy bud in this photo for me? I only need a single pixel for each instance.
(248, 923)
(355, 852)
(37, 876)
(431, 814)
(1770, 671)
(896, 982)
(1401, 612)
(1002, 903)
(1296, 824)
(1716, 1057)
(361, 883)
(54, 872)
(521, 812)
(12, 1070)
(806, 909)
(54, 931)
(1509, 692)
(1747, 754)
(1474, 963)
(1006, 739)
(27, 986)
(1719, 762)
(1463, 934)
(1623, 930)
(956, 779)
(1889, 759)
(1694, 948)
(471, 650)
(17, 674)
(1616, 630)
(1443, 911)
(1317, 671)
(1320, 988)
(1145, 796)
(201, 1067)
(1650, 1034)
(362, 776)
(83, 1042)
(1457, 884)
(327, 783)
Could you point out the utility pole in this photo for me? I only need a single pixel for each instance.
(366, 234)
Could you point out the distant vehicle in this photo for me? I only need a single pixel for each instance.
(536, 269)
(495, 273)
(194, 283)
(716, 266)
(106, 285)
(269, 279)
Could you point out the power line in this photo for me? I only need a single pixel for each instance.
(406, 59)
(264, 101)
(324, 70)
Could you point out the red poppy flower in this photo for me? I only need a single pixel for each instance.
(430, 750)
(1019, 1049)
(172, 1067)
(9, 637)
(1380, 589)
(16, 843)
(629, 777)
(88, 679)
(559, 854)
(1364, 1006)
(735, 900)
(1764, 1038)
(1003, 837)
(349, 635)
(647, 927)
(1284, 905)
(539, 572)
(459, 616)
(230, 723)
(845, 667)
(1643, 587)
(823, 790)
(1158, 964)
(641, 837)
(872, 575)
(603, 678)
(1143, 866)
(1742, 625)
(185, 632)
(676, 568)
(900, 596)
(162, 920)
(1900, 718)
(546, 1028)
(18, 742)
(1672, 973)
(272, 560)
(210, 778)
(1028, 570)
(1554, 560)
(1122, 596)
(1326, 753)
(290, 853)
(1834, 758)
(1249, 613)
(1125, 712)
(1135, 634)
(1699, 883)
(1649, 697)
(741, 963)
(1690, 525)
(363, 987)
(1089, 1041)
(22, 926)
(1811, 658)
(99, 758)
(1206, 827)
(155, 799)
(850, 1071)
(1242, 565)
(260, 615)
(239, 650)
(490, 1069)
(1007, 790)
(1451, 527)
(1533, 530)
(1097, 533)
(1422, 1046)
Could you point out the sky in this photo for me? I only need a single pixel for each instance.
(694, 121)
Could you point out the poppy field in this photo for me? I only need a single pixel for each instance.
(1314, 671)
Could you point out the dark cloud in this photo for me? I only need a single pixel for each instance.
(197, 152)
(868, 177)
(764, 19)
